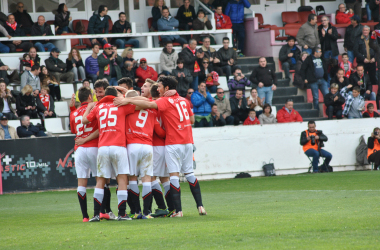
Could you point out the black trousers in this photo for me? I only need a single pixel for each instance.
(375, 157)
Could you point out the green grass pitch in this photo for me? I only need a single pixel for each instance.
(305, 211)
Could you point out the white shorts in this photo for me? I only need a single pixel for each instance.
(140, 158)
(179, 158)
(159, 164)
(85, 161)
(112, 160)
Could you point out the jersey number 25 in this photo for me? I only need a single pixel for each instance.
(112, 118)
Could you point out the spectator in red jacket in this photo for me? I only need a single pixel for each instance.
(144, 71)
(222, 21)
(342, 16)
(251, 119)
(288, 114)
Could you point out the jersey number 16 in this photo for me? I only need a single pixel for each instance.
(184, 111)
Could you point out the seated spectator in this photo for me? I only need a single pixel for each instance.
(190, 56)
(14, 29)
(238, 82)
(123, 26)
(251, 119)
(298, 81)
(373, 144)
(202, 101)
(50, 81)
(201, 23)
(25, 61)
(62, 19)
(31, 78)
(217, 118)
(144, 72)
(75, 64)
(4, 48)
(307, 36)
(209, 75)
(6, 131)
(334, 101)
(210, 54)
(35, 59)
(98, 24)
(41, 28)
(370, 113)
(227, 57)
(183, 77)
(224, 106)
(328, 35)
(354, 102)
(239, 107)
(346, 65)
(86, 83)
(47, 101)
(186, 15)
(3, 72)
(288, 114)
(168, 58)
(92, 66)
(156, 13)
(169, 23)
(363, 82)
(222, 21)
(27, 129)
(57, 67)
(127, 55)
(127, 71)
(340, 79)
(267, 117)
(26, 103)
(109, 65)
(343, 16)
(190, 92)
(6, 100)
(289, 55)
(23, 18)
(254, 102)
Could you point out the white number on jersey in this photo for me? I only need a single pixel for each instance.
(143, 116)
(184, 111)
(80, 125)
(103, 116)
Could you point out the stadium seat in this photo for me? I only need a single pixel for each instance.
(274, 111)
(289, 17)
(375, 88)
(280, 67)
(50, 22)
(310, 96)
(291, 31)
(61, 109)
(84, 22)
(261, 21)
(303, 16)
(75, 42)
(14, 123)
(110, 25)
(277, 33)
(223, 83)
(367, 102)
(150, 21)
(35, 121)
(54, 125)
(67, 89)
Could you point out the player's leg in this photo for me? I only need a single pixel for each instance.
(134, 191)
(172, 157)
(82, 197)
(159, 198)
(129, 201)
(158, 170)
(169, 202)
(145, 169)
(122, 196)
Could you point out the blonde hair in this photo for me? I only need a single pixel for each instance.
(126, 51)
(334, 86)
(156, 3)
(131, 93)
(27, 89)
(46, 88)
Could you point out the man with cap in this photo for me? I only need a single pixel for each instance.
(109, 65)
(6, 131)
(353, 32)
(144, 71)
(41, 28)
(57, 67)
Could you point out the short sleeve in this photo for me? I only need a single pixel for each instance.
(161, 104)
(92, 115)
(189, 108)
(128, 109)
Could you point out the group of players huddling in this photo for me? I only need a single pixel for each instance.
(127, 136)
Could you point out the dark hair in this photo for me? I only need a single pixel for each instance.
(101, 84)
(35, 67)
(311, 122)
(169, 81)
(219, 5)
(101, 8)
(344, 54)
(83, 94)
(377, 128)
(154, 91)
(359, 65)
(121, 13)
(95, 44)
(111, 91)
(86, 80)
(240, 90)
(180, 60)
(370, 105)
(313, 50)
(251, 110)
(339, 70)
(126, 80)
(60, 7)
(32, 48)
(201, 11)
(267, 105)
(164, 8)
(291, 38)
(226, 38)
(214, 105)
(235, 68)
(201, 83)
(356, 88)
(311, 17)
(168, 42)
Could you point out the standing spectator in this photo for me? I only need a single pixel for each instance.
(217, 117)
(222, 3)
(238, 82)
(14, 29)
(208, 5)
(235, 10)
(265, 79)
(307, 35)
(86, 83)
(23, 18)
(227, 57)
(144, 72)
(190, 92)
(346, 65)
(47, 101)
(224, 106)
(123, 26)
(328, 35)
(183, 77)
(98, 24)
(340, 79)
(360, 79)
(289, 55)
(186, 15)
(62, 19)
(75, 64)
(50, 81)
(314, 73)
(92, 66)
(354, 102)
(342, 16)
(251, 119)
(6, 131)
(368, 10)
(353, 32)
(373, 144)
(222, 21)
(288, 114)
(40, 28)
(156, 13)
(3, 72)
(209, 75)
(57, 67)
(267, 117)
(168, 58)
(373, 7)
(190, 57)
(239, 107)
(27, 129)
(334, 101)
(255, 103)
(109, 65)
(26, 103)
(201, 23)
(169, 23)
(355, 5)
(202, 101)
(298, 81)
(31, 78)
(370, 113)
(6, 100)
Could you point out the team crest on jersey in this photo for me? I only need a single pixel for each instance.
(76, 113)
(101, 106)
(179, 126)
(171, 100)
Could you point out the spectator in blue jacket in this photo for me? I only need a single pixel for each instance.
(235, 10)
(169, 23)
(238, 82)
(202, 102)
(91, 64)
(98, 24)
(27, 129)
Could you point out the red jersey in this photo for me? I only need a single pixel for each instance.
(140, 126)
(175, 113)
(45, 101)
(81, 130)
(248, 121)
(157, 139)
(111, 121)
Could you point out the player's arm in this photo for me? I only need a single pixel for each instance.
(81, 141)
(90, 106)
(192, 119)
(141, 103)
(123, 90)
(158, 130)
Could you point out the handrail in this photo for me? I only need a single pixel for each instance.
(209, 11)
